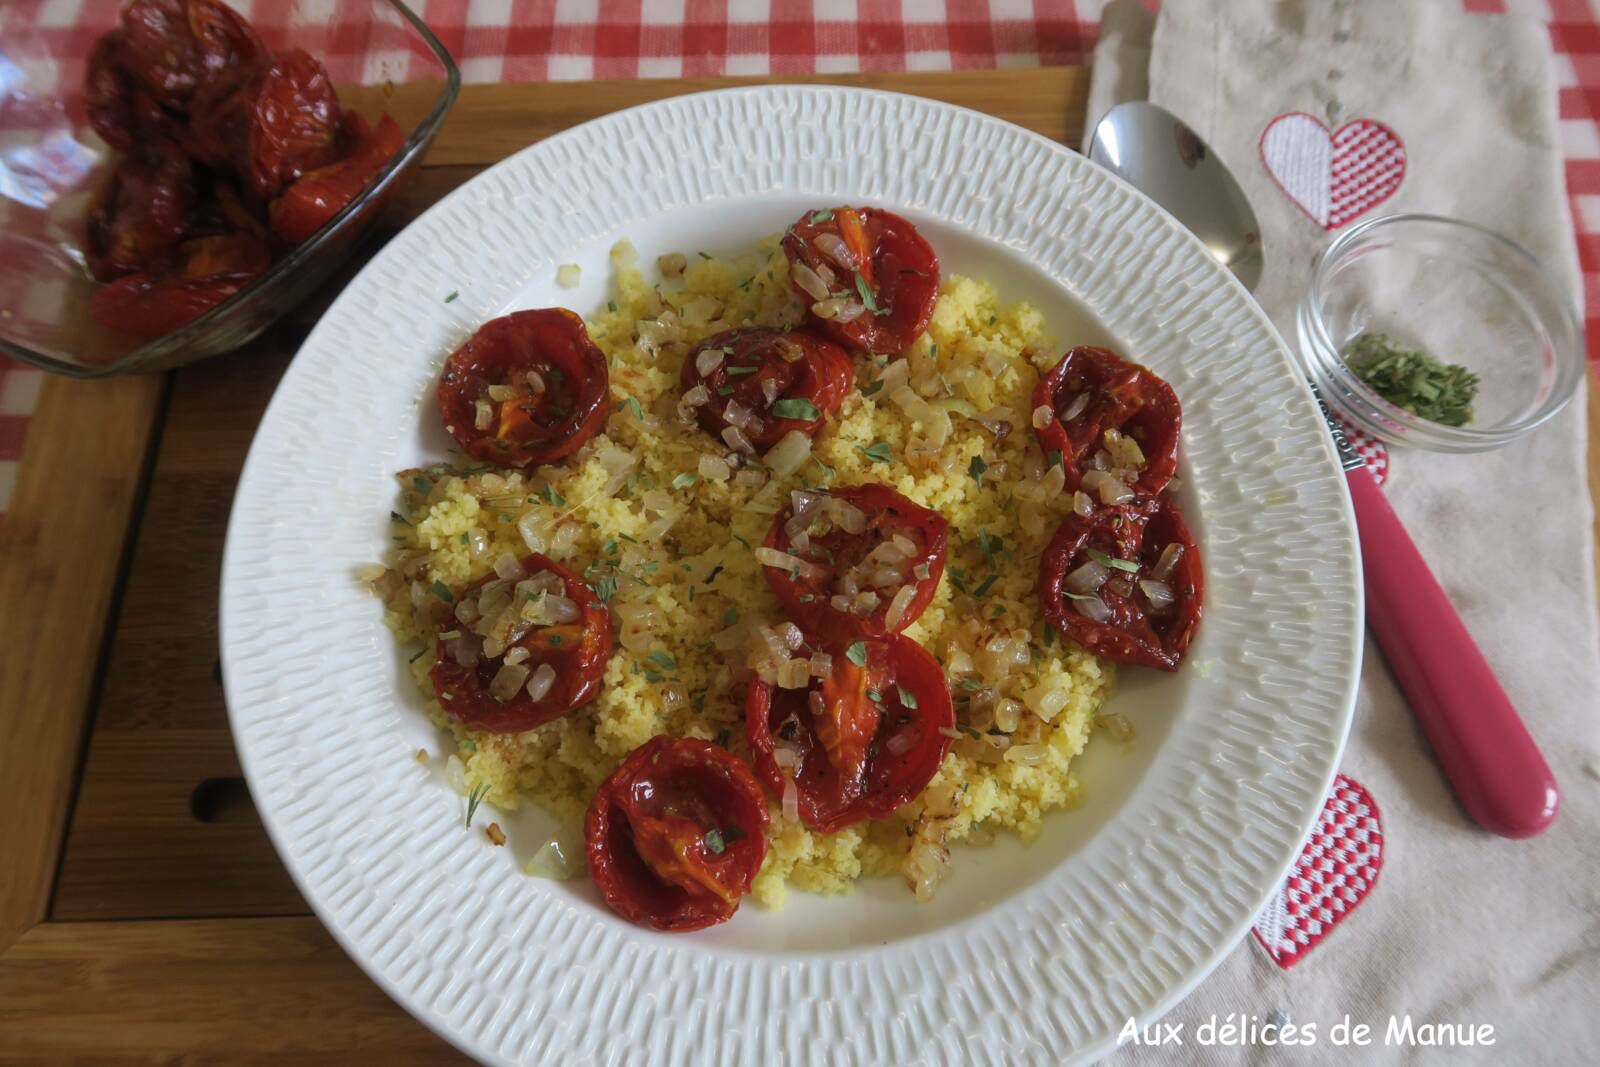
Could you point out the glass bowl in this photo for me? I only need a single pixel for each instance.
(381, 58)
(1465, 295)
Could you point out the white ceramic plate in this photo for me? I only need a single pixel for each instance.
(1032, 954)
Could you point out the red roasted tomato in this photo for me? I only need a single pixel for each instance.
(1125, 583)
(307, 205)
(860, 742)
(1093, 390)
(140, 212)
(527, 388)
(158, 51)
(107, 96)
(871, 268)
(465, 675)
(291, 121)
(775, 380)
(844, 583)
(676, 835)
(147, 305)
(225, 39)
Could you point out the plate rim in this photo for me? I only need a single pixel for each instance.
(425, 1012)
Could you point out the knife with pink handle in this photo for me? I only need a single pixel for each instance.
(1478, 738)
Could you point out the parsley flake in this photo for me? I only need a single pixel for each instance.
(791, 407)
(452, 297)
(878, 451)
(976, 468)
(442, 591)
(857, 653)
(683, 481)
(473, 800)
(906, 696)
(1107, 561)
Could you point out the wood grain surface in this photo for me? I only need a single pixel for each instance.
(61, 550)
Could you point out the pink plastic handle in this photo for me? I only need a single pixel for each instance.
(1493, 765)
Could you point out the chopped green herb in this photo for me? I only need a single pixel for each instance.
(462, 539)
(703, 255)
(958, 578)
(971, 685)
(742, 541)
(452, 297)
(806, 598)
(606, 588)
(874, 696)
(442, 591)
(724, 390)
(827, 471)
(395, 516)
(878, 451)
(871, 387)
(717, 841)
(473, 800)
(630, 540)
(658, 656)
(906, 696)
(1107, 561)
(730, 616)
(857, 653)
(422, 485)
(1053, 458)
(867, 296)
(556, 641)
(997, 611)
(611, 305)
(993, 319)
(420, 652)
(549, 495)
(450, 635)
(983, 587)
(699, 702)
(821, 216)
(654, 676)
(632, 404)
(740, 372)
(609, 548)
(1412, 379)
(976, 468)
(682, 481)
(793, 407)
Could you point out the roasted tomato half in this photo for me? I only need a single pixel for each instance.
(141, 212)
(307, 205)
(764, 383)
(868, 276)
(860, 742)
(676, 835)
(290, 120)
(225, 39)
(858, 561)
(517, 652)
(158, 51)
(148, 305)
(1125, 582)
(527, 388)
(1093, 391)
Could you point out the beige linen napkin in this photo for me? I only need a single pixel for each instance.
(1462, 927)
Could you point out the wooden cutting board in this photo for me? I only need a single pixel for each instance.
(143, 913)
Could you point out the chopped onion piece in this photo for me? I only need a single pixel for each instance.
(898, 606)
(1082, 503)
(821, 664)
(1159, 594)
(1167, 563)
(902, 741)
(791, 800)
(1042, 416)
(791, 451)
(1075, 408)
(508, 567)
(714, 468)
(796, 566)
(543, 679)
(507, 680)
(1087, 579)
(1027, 755)
(569, 275)
(838, 309)
(735, 439)
(500, 393)
(482, 415)
(707, 361)
(833, 246)
(794, 674)
(672, 264)
(1093, 609)
(535, 382)
(807, 279)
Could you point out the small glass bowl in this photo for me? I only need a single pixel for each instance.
(1461, 293)
(381, 58)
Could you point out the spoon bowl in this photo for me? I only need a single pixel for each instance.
(1151, 149)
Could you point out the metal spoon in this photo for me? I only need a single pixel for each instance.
(1153, 151)
(1492, 764)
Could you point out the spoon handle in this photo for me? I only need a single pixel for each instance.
(1493, 765)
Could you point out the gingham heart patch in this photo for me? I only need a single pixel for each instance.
(1333, 175)
(1373, 451)
(1336, 870)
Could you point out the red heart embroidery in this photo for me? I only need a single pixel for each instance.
(1370, 449)
(1336, 870)
(1333, 175)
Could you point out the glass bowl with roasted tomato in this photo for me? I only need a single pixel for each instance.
(178, 180)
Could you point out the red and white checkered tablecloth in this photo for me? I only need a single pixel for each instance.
(539, 40)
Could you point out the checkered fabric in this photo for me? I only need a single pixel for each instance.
(537, 40)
